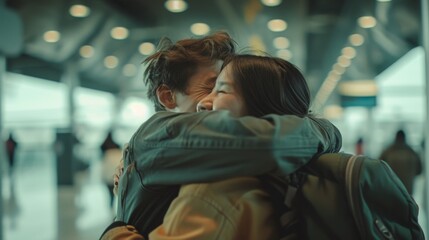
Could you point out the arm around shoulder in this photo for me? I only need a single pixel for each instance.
(180, 148)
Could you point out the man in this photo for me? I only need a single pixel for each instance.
(403, 160)
(273, 139)
(178, 76)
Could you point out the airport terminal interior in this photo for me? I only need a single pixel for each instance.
(71, 75)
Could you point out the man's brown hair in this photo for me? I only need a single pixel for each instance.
(174, 64)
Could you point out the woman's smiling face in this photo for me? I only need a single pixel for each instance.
(226, 95)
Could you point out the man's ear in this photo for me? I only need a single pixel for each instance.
(166, 97)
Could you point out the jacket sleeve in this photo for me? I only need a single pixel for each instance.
(180, 148)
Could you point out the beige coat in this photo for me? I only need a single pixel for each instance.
(234, 209)
(237, 208)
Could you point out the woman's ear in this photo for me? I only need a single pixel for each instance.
(166, 97)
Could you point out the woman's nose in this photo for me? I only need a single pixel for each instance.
(205, 105)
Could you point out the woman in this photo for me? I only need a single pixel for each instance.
(257, 86)
(236, 208)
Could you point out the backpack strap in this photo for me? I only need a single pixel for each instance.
(289, 219)
(296, 180)
(278, 186)
(352, 175)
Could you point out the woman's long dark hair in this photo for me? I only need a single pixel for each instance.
(270, 85)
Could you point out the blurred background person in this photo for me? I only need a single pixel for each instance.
(403, 160)
(111, 155)
(11, 207)
(11, 146)
(359, 146)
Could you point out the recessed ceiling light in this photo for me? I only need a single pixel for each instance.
(328, 86)
(146, 48)
(285, 54)
(338, 69)
(200, 28)
(51, 36)
(86, 51)
(367, 22)
(277, 25)
(176, 6)
(111, 62)
(343, 61)
(356, 39)
(119, 33)
(271, 3)
(348, 52)
(79, 10)
(333, 76)
(281, 42)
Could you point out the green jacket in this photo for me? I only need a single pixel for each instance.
(180, 148)
(171, 149)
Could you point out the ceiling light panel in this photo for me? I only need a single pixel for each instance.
(79, 10)
(356, 39)
(277, 25)
(367, 22)
(348, 52)
(176, 6)
(111, 62)
(51, 36)
(200, 29)
(281, 42)
(86, 51)
(146, 48)
(119, 33)
(271, 3)
(284, 53)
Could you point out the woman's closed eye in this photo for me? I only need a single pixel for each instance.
(221, 91)
(224, 89)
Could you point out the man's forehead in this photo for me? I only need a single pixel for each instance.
(204, 80)
(205, 74)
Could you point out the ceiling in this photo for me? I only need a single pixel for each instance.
(317, 31)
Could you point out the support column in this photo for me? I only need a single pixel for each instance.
(65, 137)
(67, 209)
(2, 147)
(425, 44)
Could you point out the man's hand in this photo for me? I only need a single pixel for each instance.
(118, 173)
(119, 170)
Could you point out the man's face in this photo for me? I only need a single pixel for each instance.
(199, 86)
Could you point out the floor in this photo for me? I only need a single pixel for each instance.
(36, 208)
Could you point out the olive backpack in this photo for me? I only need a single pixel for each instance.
(344, 196)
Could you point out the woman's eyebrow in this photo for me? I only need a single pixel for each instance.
(221, 83)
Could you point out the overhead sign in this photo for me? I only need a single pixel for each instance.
(352, 101)
(358, 93)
